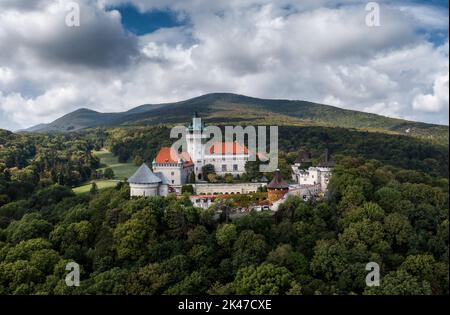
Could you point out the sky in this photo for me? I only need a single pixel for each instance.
(127, 53)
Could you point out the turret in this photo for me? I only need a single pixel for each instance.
(196, 139)
(277, 188)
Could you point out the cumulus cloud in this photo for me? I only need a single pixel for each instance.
(44, 34)
(436, 102)
(314, 50)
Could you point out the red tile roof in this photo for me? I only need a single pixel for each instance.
(228, 148)
(169, 155)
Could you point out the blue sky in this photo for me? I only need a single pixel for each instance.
(141, 23)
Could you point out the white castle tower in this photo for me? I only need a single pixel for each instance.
(196, 144)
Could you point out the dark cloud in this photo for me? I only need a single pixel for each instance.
(23, 4)
(99, 41)
(97, 44)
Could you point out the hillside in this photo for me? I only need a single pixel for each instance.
(79, 119)
(223, 108)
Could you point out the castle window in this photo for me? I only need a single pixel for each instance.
(235, 167)
(224, 168)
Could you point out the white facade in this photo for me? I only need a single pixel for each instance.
(144, 190)
(196, 140)
(312, 176)
(176, 174)
(230, 162)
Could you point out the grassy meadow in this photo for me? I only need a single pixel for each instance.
(108, 160)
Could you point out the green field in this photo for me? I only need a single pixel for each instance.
(121, 170)
(107, 159)
(101, 184)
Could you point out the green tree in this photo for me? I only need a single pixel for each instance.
(94, 188)
(285, 256)
(108, 173)
(112, 281)
(195, 283)
(148, 280)
(30, 226)
(229, 178)
(249, 249)
(226, 235)
(398, 229)
(138, 160)
(252, 169)
(399, 283)
(263, 279)
(187, 189)
(208, 169)
(132, 238)
(192, 178)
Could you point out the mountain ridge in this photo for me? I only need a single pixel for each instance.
(223, 108)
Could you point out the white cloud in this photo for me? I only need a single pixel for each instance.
(436, 102)
(6, 75)
(258, 47)
(49, 105)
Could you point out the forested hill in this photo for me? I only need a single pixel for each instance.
(239, 109)
(387, 203)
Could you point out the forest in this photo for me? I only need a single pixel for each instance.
(387, 203)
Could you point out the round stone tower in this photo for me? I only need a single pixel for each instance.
(144, 183)
(277, 188)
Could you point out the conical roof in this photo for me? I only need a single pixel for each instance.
(144, 175)
(327, 160)
(304, 157)
(278, 182)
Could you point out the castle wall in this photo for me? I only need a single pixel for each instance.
(228, 164)
(313, 176)
(222, 188)
(175, 173)
(144, 190)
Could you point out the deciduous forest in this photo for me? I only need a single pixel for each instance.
(387, 203)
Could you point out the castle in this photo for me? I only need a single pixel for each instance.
(226, 157)
(305, 174)
(177, 167)
(172, 170)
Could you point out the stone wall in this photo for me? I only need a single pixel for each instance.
(144, 190)
(222, 188)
